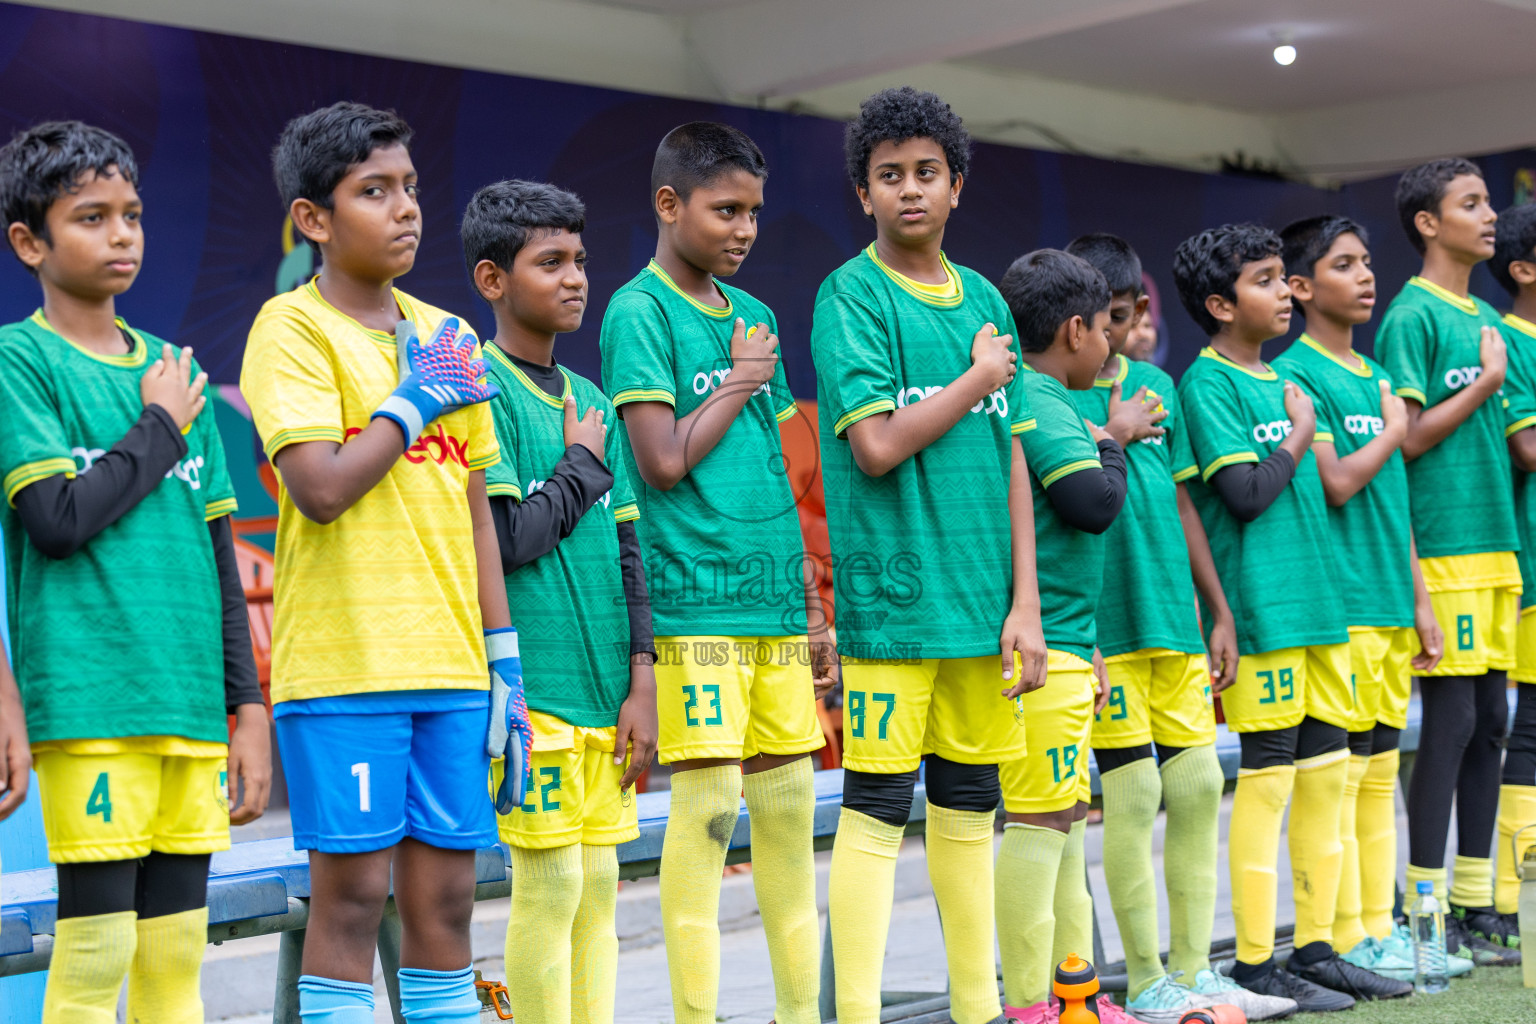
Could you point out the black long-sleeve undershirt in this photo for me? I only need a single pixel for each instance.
(62, 514)
(531, 528)
(1248, 488)
(1089, 499)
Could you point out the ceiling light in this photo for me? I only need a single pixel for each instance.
(1285, 54)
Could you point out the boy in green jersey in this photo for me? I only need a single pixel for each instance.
(1392, 628)
(1262, 504)
(1446, 356)
(692, 366)
(565, 526)
(932, 532)
(126, 611)
(1514, 267)
(1060, 305)
(1160, 679)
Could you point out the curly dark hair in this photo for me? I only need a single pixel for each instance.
(1046, 288)
(896, 115)
(317, 150)
(1211, 262)
(504, 216)
(51, 160)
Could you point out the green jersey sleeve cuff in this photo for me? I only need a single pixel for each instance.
(645, 395)
(1324, 436)
(486, 460)
(1180, 475)
(283, 438)
(864, 411)
(32, 472)
(501, 490)
(787, 412)
(1069, 469)
(1413, 393)
(1225, 461)
(219, 509)
(1519, 425)
(626, 513)
(1023, 426)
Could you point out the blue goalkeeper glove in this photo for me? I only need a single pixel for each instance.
(511, 734)
(435, 378)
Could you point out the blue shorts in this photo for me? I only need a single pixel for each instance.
(364, 772)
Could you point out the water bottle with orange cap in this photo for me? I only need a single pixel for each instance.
(1077, 988)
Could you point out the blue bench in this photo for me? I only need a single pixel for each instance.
(262, 887)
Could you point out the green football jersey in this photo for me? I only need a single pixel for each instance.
(1461, 490)
(125, 637)
(1069, 563)
(723, 552)
(1372, 531)
(922, 556)
(1520, 393)
(1149, 593)
(568, 605)
(1278, 571)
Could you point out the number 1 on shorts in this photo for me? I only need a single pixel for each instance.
(360, 772)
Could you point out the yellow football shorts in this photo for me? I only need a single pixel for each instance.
(121, 799)
(1277, 689)
(1156, 694)
(894, 712)
(575, 796)
(735, 696)
(1525, 648)
(1381, 675)
(1058, 719)
(1477, 603)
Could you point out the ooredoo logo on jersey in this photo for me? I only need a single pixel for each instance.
(1271, 432)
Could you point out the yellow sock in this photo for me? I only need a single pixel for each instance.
(1376, 833)
(91, 957)
(546, 890)
(595, 938)
(1317, 856)
(1072, 906)
(860, 890)
(705, 803)
(1192, 787)
(1253, 851)
(163, 983)
(1132, 794)
(1435, 876)
(1472, 882)
(1517, 809)
(960, 868)
(782, 806)
(1348, 926)
(1027, 866)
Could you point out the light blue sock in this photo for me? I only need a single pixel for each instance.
(328, 1001)
(438, 997)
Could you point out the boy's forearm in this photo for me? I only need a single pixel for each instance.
(1522, 449)
(884, 441)
(1202, 564)
(667, 450)
(1346, 476)
(1427, 427)
(1021, 532)
(325, 478)
(241, 685)
(1420, 590)
(493, 585)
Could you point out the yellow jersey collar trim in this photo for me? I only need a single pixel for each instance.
(527, 382)
(715, 311)
(1359, 371)
(1119, 378)
(1210, 353)
(382, 337)
(945, 296)
(138, 357)
(1520, 324)
(1465, 304)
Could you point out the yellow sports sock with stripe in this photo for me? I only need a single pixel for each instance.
(1253, 854)
(1434, 876)
(705, 805)
(595, 938)
(164, 981)
(1376, 833)
(1027, 865)
(546, 890)
(1472, 882)
(860, 891)
(1132, 794)
(1517, 809)
(91, 957)
(1072, 906)
(782, 805)
(1317, 855)
(959, 847)
(1348, 926)
(1192, 786)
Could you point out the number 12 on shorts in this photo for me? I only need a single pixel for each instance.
(856, 712)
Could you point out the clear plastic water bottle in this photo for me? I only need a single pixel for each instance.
(1426, 922)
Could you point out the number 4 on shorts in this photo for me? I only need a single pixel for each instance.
(100, 800)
